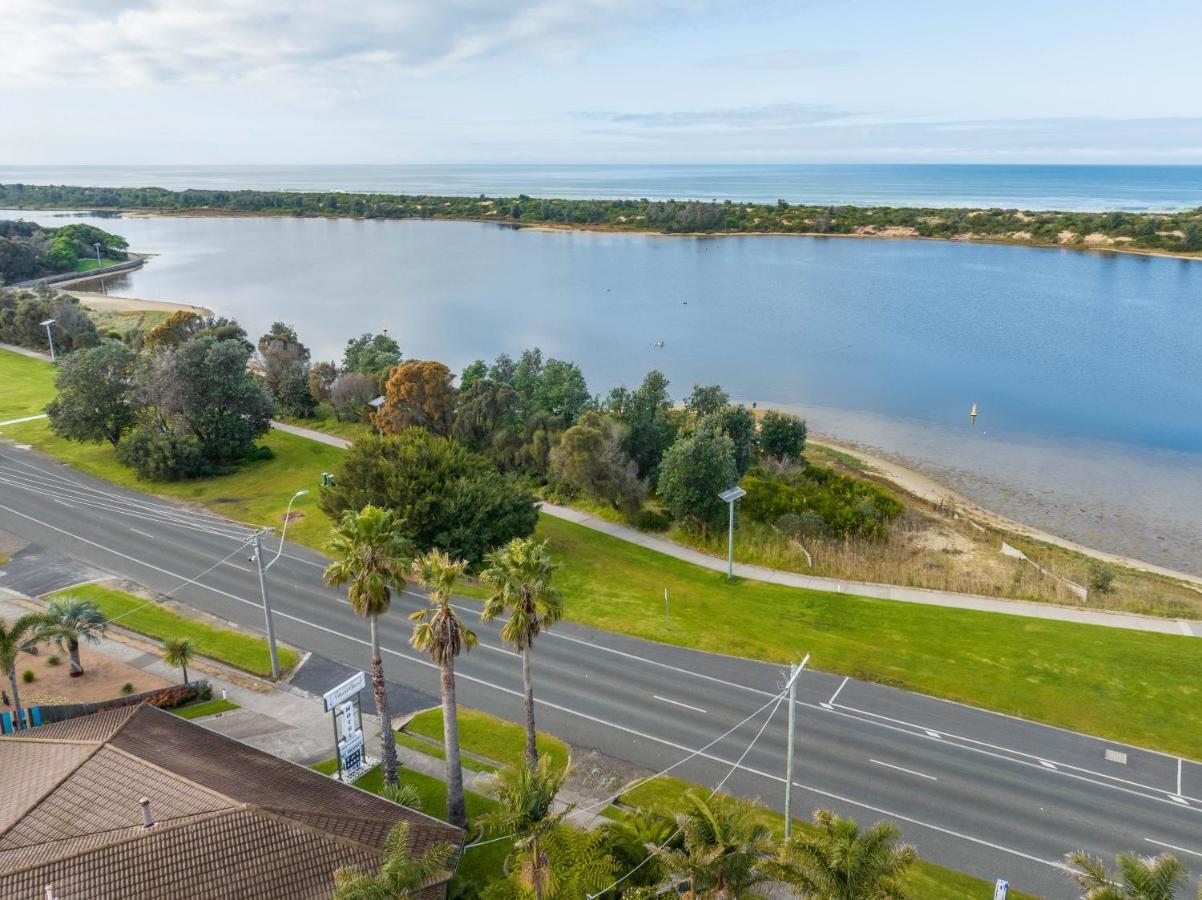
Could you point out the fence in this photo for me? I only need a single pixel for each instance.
(166, 698)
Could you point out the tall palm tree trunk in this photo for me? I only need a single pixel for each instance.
(528, 687)
(12, 682)
(456, 806)
(184, 668)
(387, 743)
(73, 653)
(536, 869)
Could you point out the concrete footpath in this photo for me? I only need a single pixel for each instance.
(1130, 621)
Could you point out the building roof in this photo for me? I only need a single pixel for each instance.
(230, 820)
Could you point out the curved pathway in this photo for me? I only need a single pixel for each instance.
(836, 585)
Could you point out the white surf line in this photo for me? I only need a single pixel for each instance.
(1173, 847)
(903, 769)
(955, 738)
(840, 712)
(678, 703)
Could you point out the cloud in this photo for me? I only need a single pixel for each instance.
(773, 115)
(141, 42)
(788, 59)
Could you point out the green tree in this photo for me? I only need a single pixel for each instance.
(179, 652)
(19, 637)
(694, 471)
(370, 558)
(782, 436)
(472, 373)
(839, 861)
(518, 577)
(647, 414)
(371, 354)
(706, 400)
(487, 420)
(590, 458)
(738, 424)
(321, 379)
(70, 620)
(401, 872)
(440, 633)
(448, 496)
(526, 793)
(725, 852)
(1137, 877)
(635, 842)
(285, 364)
(96, 399)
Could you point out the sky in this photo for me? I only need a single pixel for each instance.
(136, 82)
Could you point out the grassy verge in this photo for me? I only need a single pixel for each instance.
(207, 708)
(122, 322)
(325, 421)
(489, 736)
(256, 493)
(233, 648)
(478, 866)
(1126, 685)
(925, 879)
(28, 385)
(421, 745)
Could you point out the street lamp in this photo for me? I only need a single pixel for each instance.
(49, 336)
(730, 497)
(258, 558)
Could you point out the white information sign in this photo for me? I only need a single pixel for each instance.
(348, 688)
(1001, 890)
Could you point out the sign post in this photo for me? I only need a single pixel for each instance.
(1001, 889)
(343, 703)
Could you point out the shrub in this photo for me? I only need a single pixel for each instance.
(161, 456)
(53, 660)
(651, 520)
(782, 436)
(845, 506)
(1101, 577)
(798, 525)
(127, 688)
(28, 676)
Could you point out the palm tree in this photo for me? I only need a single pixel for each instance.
(400, 874)
(15, 639)
(370, 558)
(635, 841)
(838, 861)
(69, 620)
(519, 577)
(439, 632)
(527, 797)
(179, 652)
(1137, 878)
(726, 850)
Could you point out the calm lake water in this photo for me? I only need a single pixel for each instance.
(1084, 367)
(1024, 187)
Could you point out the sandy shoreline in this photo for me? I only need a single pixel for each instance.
(110, 303)
(926, 488)
(609, 229)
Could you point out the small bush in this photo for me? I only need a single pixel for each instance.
(159, 456)
(52, 660)
(127, 688)
(28, 676)
(260, 453)
(799, 525)
(651, 520)
(1101, 577)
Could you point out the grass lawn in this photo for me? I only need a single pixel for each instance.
(436, 750)
(243, 651)
(205, 708)
(926, 879)
(478, 866)
(1125, 685)
(257, 493)
(28, 385)
(489, 736)
(325, 420)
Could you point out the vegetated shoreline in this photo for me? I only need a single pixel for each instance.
(925, 487)
(555, 228)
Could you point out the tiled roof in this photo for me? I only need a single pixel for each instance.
(231, 821)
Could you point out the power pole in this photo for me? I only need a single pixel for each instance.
(275, 657)
(794, 672)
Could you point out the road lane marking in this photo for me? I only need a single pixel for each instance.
(934, 734)
(1172, 847)
(678, 703)
(902, 769)
(1048, 765)
(1177, 798)
(1179, 762)
(143, 533)
(849, 715)
(841, 686)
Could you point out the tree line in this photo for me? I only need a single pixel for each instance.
(29, 250)
(1172, 232)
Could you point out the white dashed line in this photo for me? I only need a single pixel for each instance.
(678, 703)
(900, 769)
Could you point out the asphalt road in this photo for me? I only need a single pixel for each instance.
(981, 792)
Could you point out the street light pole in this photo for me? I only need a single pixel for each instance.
(263, 569)
(730, 496)
(794, 672)
(50, 337)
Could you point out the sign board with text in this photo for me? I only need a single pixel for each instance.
(344, 691)
(1001, 890)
